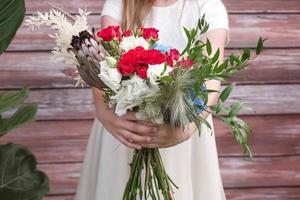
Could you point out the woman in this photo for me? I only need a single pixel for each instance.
(190, 160)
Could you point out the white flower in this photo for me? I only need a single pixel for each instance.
(110, 75)
(132, 94)
(111, 61)
(157, 71)
(132, 42)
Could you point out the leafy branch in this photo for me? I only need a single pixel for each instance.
(207, 66)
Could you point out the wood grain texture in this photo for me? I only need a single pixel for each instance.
(233, 6)
(258, 6)
(264, 194)
(262, 172)
(65, 141)
(282, 31)
(77, 103)
(94, 6)
(236, 173)
(37, 71)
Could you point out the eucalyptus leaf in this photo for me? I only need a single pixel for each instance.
(216, 56)
(236, 109)
(20, 179)
(260, 45)
(219, 107)
(226, 92)
(12, 13)
(208, 47)
(246, 54)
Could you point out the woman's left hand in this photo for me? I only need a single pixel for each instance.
(166, 136)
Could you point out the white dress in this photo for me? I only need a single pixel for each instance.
(193, 165)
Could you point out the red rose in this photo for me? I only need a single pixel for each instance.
(126, 69)
(138, 60)
(153, 57)
(127, 33)
(171, 56)
(110, 33)
(174, 54)
(186, 63)
(149, 33)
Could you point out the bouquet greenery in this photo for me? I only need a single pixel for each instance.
(158, 82)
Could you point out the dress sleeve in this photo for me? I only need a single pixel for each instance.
(215, 14)
(113, 8)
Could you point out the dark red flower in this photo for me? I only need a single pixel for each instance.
(173, 55)
(127, 33)
(138, 60)
(149, 33)
(110, 33)
(186, 63)
(142, 71)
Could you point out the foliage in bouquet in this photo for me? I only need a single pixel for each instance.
(139, 73)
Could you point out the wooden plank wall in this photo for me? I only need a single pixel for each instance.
(271, 85)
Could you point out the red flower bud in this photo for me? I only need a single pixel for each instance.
(186, 63)
(149, 33)
(110, 33)
(127, 33)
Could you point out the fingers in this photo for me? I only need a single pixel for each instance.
(134, 137)
(139, 128)
(148, 123)
(130, 116)
(127, 143)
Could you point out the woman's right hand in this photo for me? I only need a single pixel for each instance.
(127, 129)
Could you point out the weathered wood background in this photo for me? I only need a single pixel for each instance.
(271, 85)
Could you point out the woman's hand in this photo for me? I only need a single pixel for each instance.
(127, 129)
(166, 136)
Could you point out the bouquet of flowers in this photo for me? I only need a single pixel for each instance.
(158, 82)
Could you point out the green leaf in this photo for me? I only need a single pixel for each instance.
(246, 54)
(12, 13)
(235, 109)
(208, 47)
(216, 56)
(22, 116)
(260, 45)
(203, 25)
(222, 67)
(226, 92)
(187, 33)
(219, 107)
(20, 179)
(11, 99)
(204, 121)
(166, 79)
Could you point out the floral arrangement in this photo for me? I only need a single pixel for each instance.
(158, 82)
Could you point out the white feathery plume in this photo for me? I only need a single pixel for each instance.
(66, 27)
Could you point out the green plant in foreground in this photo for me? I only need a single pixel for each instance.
(12, 13)
(20, 179)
